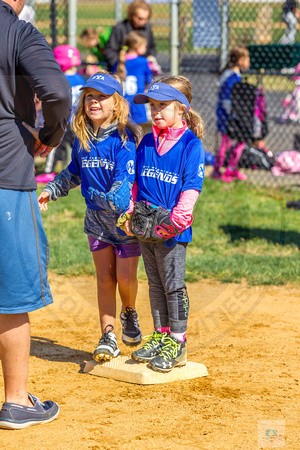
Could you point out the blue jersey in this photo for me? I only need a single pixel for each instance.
(162, 178)
(137, 78)
(227, 81)
(106, 162)
(76, 81)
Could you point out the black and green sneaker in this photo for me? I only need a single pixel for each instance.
(173, 354)
(151, 348)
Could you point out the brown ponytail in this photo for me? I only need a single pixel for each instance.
(236, 53)
(193, 119)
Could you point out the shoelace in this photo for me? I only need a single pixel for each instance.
(170, 349)
(105, 339)
(154, 339)
(131, 317)
(35, 400)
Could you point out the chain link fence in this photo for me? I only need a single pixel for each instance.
(51, 19)
(208, 30)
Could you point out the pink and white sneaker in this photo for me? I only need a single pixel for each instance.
(240, 175)
(294, 117)
(45, 177)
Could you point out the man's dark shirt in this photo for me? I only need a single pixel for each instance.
(27, 66)
(117, 38)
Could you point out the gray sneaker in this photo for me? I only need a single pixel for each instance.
(151, 348)
(16, 417)
(131, 332)
(107, 347)
(173, 354)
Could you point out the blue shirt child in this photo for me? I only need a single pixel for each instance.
(138, 77)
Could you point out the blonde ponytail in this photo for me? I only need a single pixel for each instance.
(121, 68)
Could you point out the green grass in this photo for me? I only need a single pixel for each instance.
(273, 82)
(239, 232)
(243, 232)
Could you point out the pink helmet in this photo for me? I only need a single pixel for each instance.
(67, 56)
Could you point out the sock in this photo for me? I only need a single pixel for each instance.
(178, 336)
(163, 330)
(124, 311)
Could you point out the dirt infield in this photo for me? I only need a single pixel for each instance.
(247, 337)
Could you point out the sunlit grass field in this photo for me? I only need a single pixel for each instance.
(239, 232)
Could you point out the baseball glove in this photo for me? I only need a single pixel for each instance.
(149, 221)
(117, 199)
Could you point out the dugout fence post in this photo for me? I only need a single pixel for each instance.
(118, 10)
(72, 23)
(174, 37)
(224, 34)
(53, 22)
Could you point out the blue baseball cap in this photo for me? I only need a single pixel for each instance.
(163, 92)
(104, 83)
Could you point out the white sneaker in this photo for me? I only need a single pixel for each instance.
(107, 347)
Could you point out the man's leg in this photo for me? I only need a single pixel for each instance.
(14, 355)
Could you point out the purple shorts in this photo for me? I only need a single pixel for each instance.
(120, 250)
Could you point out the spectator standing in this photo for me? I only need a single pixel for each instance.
(290, 16)
(138, 16)
(27, 66)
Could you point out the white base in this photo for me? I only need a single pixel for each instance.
(123, 368)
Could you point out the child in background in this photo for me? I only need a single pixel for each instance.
(239, 59)
(133, 69)
(290, 16)
(96, 40)
(90, 66)
(169, 173)
(291, 103)
(68, 58)
(103, 162)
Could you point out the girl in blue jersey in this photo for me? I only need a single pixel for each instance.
(133, 69)
(169, 173)
(103, 162)
(239, 59)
